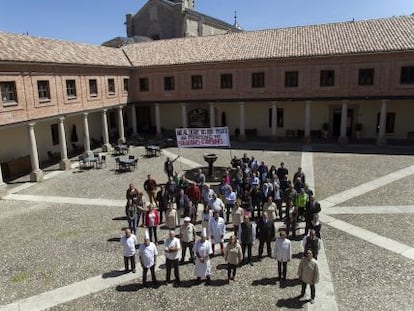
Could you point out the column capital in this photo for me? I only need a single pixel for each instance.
(120, 107)
(274, 102)
(385, 100)
(31, 124)
(104, 110)
(241, 103)
(85, 114)
(344, 101)
(308, 101)
(61, 119)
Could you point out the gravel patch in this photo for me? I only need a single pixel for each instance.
(396, 193)
(55, 245)
(367, 277)
(397, 227)
(338, 172)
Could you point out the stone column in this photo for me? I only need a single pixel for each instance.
(134, 120)
(242, 123)
(184, 114)
(212, 115)
(86, 138)
(106, 147)
(64, 161)
(343, 139)
(158, 119)
(37, 173)
(121, 139)
(381, 139)
(274, 121)
(308, 122)
(3, 186)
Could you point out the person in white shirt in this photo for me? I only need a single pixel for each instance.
(216, 204)
(231, 198)
(202, 250)
(217, 229)
(172, 247)
(148, 257)
(128, 241)
(283, 254)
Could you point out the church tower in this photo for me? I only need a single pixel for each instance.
(186, 4)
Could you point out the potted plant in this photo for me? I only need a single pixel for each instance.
(325, 129)
(358, 129)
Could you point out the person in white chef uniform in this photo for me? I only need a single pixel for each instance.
(217, 229)
(202, 250)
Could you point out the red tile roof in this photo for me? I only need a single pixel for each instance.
(22, 48)
(370, 36)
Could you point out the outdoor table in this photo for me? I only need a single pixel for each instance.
(127, 163)
(121, 149)
(152, 150)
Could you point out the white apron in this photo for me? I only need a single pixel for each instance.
(202, 269)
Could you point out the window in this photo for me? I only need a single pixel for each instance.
(291, 79)
(143, 84)
(111, 86)
(366, 76)
(93, 88)
(389, 122)
(407, 75)
(55, 134)
(43, 90)
(126, 82)
(226, 81)
(258, 79)
(279, 118)
(169, 83)
(327, 78)
(8, 92)
(197, 82)
(71, 88)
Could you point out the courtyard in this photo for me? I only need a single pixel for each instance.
(60, 245)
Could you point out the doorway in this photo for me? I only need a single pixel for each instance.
(336, 125)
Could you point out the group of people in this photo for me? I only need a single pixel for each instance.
(247, 187)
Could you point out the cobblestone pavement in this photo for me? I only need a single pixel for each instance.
(49, 245)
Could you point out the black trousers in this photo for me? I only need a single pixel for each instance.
(282, 269)
(312, 287)
(231, 270)
(184, 246)
(169, 263)
(268, 247)
(249, 250)
(229, 209)
(153, 232)
(127, 260)
(144, 274)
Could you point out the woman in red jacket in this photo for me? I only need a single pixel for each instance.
(152, 221)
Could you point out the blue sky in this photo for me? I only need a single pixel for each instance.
(96, 21)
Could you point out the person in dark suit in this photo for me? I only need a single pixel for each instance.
(266, 234)
(312, 207)
(162, 201)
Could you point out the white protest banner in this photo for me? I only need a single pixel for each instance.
(202, 137)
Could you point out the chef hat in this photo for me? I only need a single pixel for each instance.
(146, 235)
(187, 218)
(204, 233)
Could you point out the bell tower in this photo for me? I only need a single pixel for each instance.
(186, 4)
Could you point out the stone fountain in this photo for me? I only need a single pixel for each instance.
(210, 158)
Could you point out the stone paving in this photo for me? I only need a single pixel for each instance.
(47, 245)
